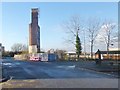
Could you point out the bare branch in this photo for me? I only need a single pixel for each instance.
(71, 28)
(94, 26)
(108, 27)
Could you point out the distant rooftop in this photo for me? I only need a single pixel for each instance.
(71, 52)
(114, 49)
(110, 52)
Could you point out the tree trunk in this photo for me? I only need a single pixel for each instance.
(108, 46)
(78, 57)
(91, 49)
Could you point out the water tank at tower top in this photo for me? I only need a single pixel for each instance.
(52, 57)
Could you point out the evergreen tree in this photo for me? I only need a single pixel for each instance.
(78, 46)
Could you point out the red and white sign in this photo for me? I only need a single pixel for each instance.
(35, 58)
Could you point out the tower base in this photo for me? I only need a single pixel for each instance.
(33, 49)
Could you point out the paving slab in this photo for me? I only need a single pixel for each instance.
(62, 83)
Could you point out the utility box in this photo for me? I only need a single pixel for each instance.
(44, 57)
(52, 57)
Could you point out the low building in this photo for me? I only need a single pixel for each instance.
(71, 56)
(114, 55)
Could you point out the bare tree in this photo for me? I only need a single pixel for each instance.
(71, 28)
(17, 47)
(108, 28)
(93, 28)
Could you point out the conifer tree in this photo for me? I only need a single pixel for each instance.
(78, 46)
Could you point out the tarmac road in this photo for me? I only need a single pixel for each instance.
(29, 74)
(40, 70)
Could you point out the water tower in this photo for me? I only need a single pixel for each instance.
(34, 32)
